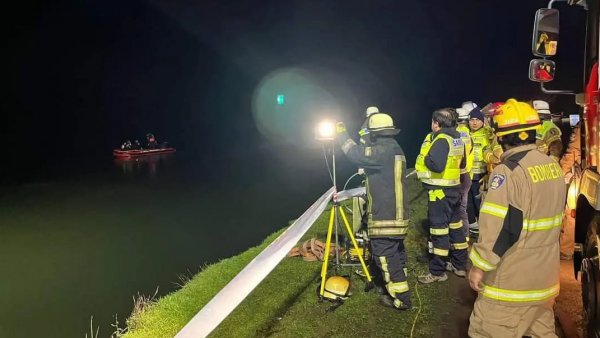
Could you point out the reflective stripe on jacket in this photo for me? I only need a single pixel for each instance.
(465, 136)
(481, 142)
(493, 153)
(519, 226)
(387, 189)
(450, 175)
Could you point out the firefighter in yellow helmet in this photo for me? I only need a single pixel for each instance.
(439, 166)
(516, 258)
(364, 130)
(387, 210)
(548, 137)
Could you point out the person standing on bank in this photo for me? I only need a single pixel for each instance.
(516, 258)
(439, 167)
(387, 211)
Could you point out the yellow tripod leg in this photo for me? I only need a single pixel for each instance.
(327, 250)
(362, 262)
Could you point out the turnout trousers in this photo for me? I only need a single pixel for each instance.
(447, 237)
(491, 320)
(390, 257)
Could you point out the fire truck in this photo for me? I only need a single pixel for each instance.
(584, 189)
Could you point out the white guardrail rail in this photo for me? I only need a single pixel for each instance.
(213, 313)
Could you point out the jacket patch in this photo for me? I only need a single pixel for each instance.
(497, 181)
(456, 142)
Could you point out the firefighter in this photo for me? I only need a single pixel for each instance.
(515, 260)
(492, 153)
(387, 211)
(548, 136)
(439, 167)
(480, 133)
(466, 173)
(569, 161)
(364, 131)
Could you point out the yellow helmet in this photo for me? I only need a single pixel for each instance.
(381, 124)
(337, 288)
(514, 117)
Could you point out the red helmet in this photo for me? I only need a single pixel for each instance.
(491, 109)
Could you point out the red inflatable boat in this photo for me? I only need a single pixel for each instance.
(142, 152)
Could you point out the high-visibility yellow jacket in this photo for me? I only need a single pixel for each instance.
(465, 136)
(481, 143)
(449, 176)
(519, 226)
(492, 153)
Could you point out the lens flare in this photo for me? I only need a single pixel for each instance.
(288, 103)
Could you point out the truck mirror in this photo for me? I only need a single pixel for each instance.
(541, 70)
(545, 32)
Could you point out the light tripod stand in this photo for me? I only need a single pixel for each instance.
(334, 215)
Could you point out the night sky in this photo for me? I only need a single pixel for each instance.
(83, 76)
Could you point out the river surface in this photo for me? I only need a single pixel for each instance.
(84, 240)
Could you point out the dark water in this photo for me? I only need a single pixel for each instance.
(82, 243)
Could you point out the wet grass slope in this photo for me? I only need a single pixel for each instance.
(285, 303)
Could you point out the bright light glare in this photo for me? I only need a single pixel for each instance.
(325, 131)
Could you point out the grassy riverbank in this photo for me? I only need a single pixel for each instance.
(285, 303)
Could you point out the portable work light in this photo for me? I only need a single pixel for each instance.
(325, 131)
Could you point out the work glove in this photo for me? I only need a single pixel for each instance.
(340, 127)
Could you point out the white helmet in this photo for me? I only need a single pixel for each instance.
(463, 114)
(469, 105)
(371, 110)
(542, 107)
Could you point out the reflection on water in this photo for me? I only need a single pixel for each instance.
(144, 164)
(85, 244)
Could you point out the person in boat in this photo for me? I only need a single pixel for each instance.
(152, 144)
(136, 145)
(126, 145)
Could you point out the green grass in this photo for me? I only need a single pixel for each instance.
(285, 303)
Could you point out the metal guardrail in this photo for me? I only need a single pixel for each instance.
(224, 302)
